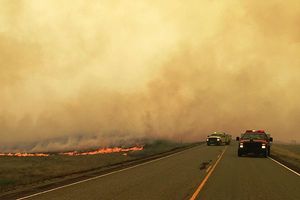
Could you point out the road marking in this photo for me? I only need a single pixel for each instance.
(284, 166)
(208, 168)
(103, 175)
(196, 193)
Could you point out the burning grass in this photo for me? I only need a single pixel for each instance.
(103, 151)
(25, 154)
(76, 153)
(19, 171)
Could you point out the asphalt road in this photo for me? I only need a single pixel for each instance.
(250, 178)
(179, 176)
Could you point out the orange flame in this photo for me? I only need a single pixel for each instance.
(25, 154)
(103, 151)
(75, 153)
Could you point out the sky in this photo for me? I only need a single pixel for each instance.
(77, 74)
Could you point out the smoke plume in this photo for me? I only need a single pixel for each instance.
(89, 73)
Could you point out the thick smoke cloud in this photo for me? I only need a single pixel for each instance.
(89, 73)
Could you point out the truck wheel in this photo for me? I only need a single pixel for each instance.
(269, 152)
(239, 154)
(266, 153)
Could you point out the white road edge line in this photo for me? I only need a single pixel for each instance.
(284, 166)
(96, 177)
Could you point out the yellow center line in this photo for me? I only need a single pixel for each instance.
(208, 168)
(196, 193)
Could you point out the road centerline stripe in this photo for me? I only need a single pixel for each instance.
(196, 193)
(208, 168)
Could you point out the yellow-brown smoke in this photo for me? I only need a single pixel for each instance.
(97, 72)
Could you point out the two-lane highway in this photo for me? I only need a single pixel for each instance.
(174, 177)
(250, 178)
(179, 176)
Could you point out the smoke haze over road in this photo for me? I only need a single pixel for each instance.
(86, 73)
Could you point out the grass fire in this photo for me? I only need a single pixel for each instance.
(18, 170)
(25, 154)
(106, 150)
(103, 151)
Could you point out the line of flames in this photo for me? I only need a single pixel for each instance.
(76, 153)
(103, 151)
(25, 154)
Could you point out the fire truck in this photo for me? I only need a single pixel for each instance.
(218, 138)
(255, 142)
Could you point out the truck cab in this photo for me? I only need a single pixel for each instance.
(218, 138)
(255, 142)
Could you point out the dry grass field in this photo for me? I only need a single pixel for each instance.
(16, 172)
(287, 152)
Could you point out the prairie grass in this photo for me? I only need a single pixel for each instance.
(17, 172)
(289, 153)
